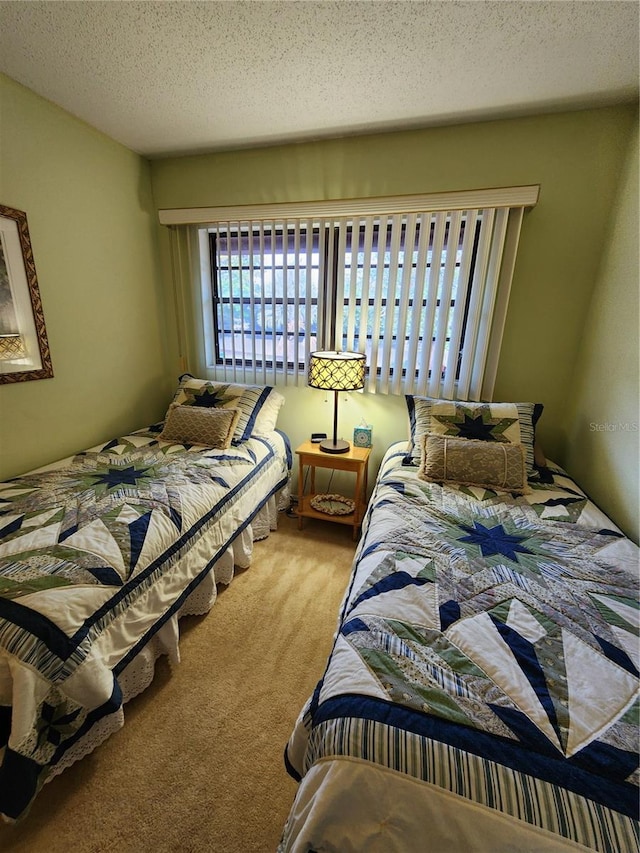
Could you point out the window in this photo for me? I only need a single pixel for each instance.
(400, 277)
(265, 294)
(423, 293)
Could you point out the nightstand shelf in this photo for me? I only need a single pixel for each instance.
(355, 461)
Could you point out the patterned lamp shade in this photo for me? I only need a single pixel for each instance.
(336, 371)
(12, 346)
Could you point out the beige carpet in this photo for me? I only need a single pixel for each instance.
(198, 765)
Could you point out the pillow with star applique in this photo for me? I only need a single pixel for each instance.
(258, 404)
(509, 423)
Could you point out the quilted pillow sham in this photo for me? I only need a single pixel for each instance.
(499, 466)
(196, 425)
(259, 405)
(506, 423)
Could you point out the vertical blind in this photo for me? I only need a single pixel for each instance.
(416, 294)
(422, 293)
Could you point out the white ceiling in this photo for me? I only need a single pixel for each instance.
(167, 77)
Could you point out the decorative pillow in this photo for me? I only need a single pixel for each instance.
(258, 404)
(512, 423)
(499, 466)
(195, 425)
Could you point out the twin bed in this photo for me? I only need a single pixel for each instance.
(482, 690)
(102, 553)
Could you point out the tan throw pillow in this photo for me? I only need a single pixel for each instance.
(196, 425)
(491, 465)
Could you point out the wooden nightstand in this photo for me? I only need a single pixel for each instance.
(356, 461)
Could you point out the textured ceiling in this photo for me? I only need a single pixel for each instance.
(181, 77)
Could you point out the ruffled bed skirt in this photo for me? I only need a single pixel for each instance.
(138, 674)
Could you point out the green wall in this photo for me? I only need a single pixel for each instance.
(576, 157)
(604, 413)
(94, 236)
(109, 306)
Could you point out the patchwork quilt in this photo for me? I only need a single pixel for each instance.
(487, 647)
(96, 553)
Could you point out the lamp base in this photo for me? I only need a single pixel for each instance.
(337, 446)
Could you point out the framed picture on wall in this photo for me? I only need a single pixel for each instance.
(24, 349)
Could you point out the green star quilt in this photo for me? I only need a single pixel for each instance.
(98, 555)
(482, 691)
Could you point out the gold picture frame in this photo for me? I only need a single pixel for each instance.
(24, 347)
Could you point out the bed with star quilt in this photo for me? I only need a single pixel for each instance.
(482, 690)
(100, 554)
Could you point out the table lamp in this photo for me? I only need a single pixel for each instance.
(336, 371)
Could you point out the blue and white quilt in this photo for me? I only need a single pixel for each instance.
(487, 651)
(97, 552)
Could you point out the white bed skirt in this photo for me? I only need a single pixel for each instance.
(379, 810)
(138, 675)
